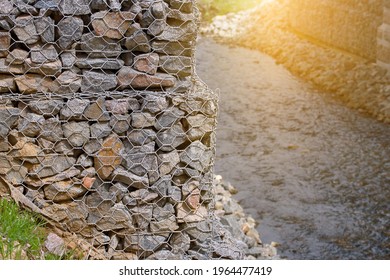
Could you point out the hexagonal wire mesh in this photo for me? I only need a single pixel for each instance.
(104, 127)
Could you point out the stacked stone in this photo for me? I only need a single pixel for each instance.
(102, 127)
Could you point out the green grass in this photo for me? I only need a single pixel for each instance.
(212, 8)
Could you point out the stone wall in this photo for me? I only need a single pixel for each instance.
(350, 25)
(104, 126)
(383, 53)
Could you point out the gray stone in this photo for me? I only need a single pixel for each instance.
(7, 84)
(10, 69)
(55, 244)
(96, 111)
(46, 69)
(46, 108)
(74, 109)
(154, 26)
(92, 147)
(16, 175)
(118, 217)
(5, 41)
(142, 120)
(139, 137)
(139, 197)
(62, 176)
(180, 16)
(167, 255)
(120, 123)
(128, 58)
(143, 242)
(17, 56)
(112, 24)
(181, 5)
(166, 225)
(24, 8)
(154, 104)
(6, 7)
(167, 161)
(63, 147)
(31, 124)
(191, 106)
(68, 58)
(99, 4)
(25, 29)
(73, 7)
(51, 165)
(64, 191)
(100, 201)
(187, 215)
(138, 42)
(197, 156)
(164, 188)
(99, 63)
(99, 46)
(130, 179)
(52, 130)
(70, 29)
(4, 24)
(198, 126)
(43, 54)
(68, 82)
(130, 78)
(176, 65)
(147, 63)
(180, 242)
(171, 138)
(173, 48)
(77, 133)
(119, 190)
(186, 32)
(100, 130)
(122, 106)
(45, 29)
(169, 118)
(200, 231)
(84, 161)
(46, 5)
(88, 172)
(94, 81)
(33, 83)
(159, 9)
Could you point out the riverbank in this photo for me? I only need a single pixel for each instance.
(358, 83)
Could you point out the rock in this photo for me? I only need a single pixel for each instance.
(74, 109)
(64, 191)
(180, 242)
(31, 124)
(120, 123)
(130, 179)
(33, 83)
(154, 104)
(164, 188)
(128, 58)
(88, 173)
(64, 147)
(52, 130)
(122, 106)
(187, 215)
(73, 7)
(171, 138)
(4, 24)
(5, 41)
(84, 161)
(46, 5)
(100, 130)
(96, 111)
(118, 217)
(182, 5)
(6, 7)
(7, 84)
(51, 165)
(198, 126)
(197, 156)
(62, 176)
(70, 30)
(94, 81)
(68, 82)
(99, 46)
(119, 190)
(143, 242)
(180, 16)
(77, 133)
(99, 63)
(46, 108)
(168, 118)
(92, 147)
(99, 4)
(17, 56)
(109, 157)
(55, 244)
(27, 152)
(164, 219)
(45, 28)
(47, 69)
(138, 197)
(146, 63)
(159, 9)
(68, 58)
(111, 24)
(23, 7)
(42, 54)
(154, 26)
(10, 69)
(193, 200)
(141, 137)
(173, 48)
(176, 65)
(167, 161)
(186, 32)
(142, 120)
(138, 42)
(130, 78)
(200, 231)
(25, 29)
(100, 201)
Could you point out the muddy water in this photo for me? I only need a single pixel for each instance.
(315, 174)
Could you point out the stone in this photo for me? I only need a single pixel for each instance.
(31, 124)
(99, 63)
(47, 69)
(100, 201)
(46, 108)
(118, 217)
(96, 111)
(6, 68)
(94, 81)
(27, 152)
(122, 106)
(7, 84)
(120, 123)
(88, 182)
(198, 126)
(111, 24)
(119, 190)
(191, 106)
(128, 58)
(109, 156)
(139, 197)
(164, 188)
(138, 42)
(99, 4)
(68, 82)
(143, 242)
(130, 179)
(166, 225)
(167, 161)
(6, 7)
(42, 54)
(5, 164)
(139, 137)
(181, 5)
(201, 231)
(51, 165)
(73, 7)
(46, 5)
(52, 130)
(55, 244)
(77, 133)
(100, 130)
(70, 30)
(197, 156)
(180, 16)
(115, 5)
(64, 147)
(17, 56)
(142, 120)
(24, 7)
(45, 28)
(193, 199)
(62, 176)
(4, 24)
(68, 58)
(84, 161)
(140, 161)
(25, 29)
(187, 215)
(168, 118)
(159, 9)
(130, 78)
(5, 41)
(173, 48)
(155, 104)
(92, 147)
(88, 172)
(171, 138)
(33, 83)
(180, 242)
(185, 32)
(154, 26)
(64, 191)
(99, 46)
(146, 63)
(74, 109)
(180, 66)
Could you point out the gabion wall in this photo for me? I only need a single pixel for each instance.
(104, 125)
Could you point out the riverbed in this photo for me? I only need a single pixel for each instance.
(313, 173)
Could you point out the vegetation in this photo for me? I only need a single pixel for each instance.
(212, 8)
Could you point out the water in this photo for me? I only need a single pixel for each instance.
(315, 174)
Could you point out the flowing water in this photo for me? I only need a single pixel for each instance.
(313, 173)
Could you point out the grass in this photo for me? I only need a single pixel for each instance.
(212, 8)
